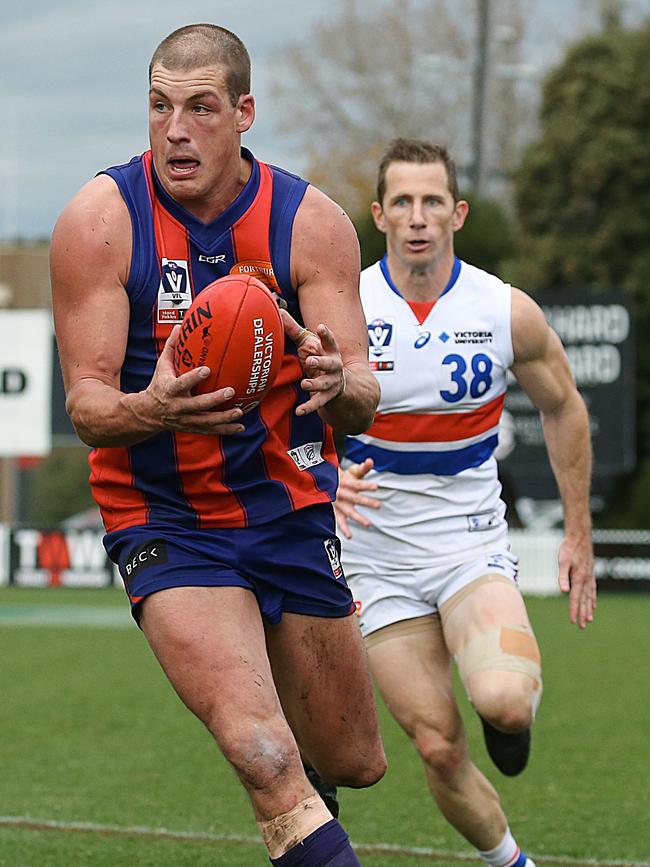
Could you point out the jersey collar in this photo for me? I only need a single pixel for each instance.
(455, 273)
(206, 233)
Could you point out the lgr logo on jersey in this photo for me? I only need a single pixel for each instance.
(175, 291)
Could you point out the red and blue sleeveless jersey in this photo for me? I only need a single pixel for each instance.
(282, 461)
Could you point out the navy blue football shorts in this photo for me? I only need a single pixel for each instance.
(291, 563)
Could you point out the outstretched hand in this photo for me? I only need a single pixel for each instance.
(350, 494)
(576, 577)
(321, 363)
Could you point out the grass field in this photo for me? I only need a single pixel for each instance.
(101, 765)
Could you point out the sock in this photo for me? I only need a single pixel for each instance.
(327, 846)
(506, 854)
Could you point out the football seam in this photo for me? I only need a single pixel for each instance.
(232, 332)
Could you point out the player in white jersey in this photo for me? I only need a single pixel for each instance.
(426, 548)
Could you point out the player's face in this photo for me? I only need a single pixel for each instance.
(418, 214)
(195, 133)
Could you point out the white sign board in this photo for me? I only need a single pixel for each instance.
(4, 554)
(25, 382)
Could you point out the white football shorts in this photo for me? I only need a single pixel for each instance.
(387, 591)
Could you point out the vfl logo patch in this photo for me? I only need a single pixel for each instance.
(175, 291)
(150, 554)
(332, 547)
(380, 333)
(308, 455)
(381, 349)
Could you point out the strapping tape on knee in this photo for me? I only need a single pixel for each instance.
(501, 648)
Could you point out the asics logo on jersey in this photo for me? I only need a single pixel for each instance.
(422, 340)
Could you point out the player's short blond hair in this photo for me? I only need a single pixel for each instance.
(198, 45)
(410, 150)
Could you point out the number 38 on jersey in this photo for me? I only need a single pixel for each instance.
(475, 377)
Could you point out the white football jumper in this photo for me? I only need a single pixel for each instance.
(443, 384)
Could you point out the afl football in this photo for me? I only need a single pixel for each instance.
(233, 327)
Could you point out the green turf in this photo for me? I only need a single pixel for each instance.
(92, 732)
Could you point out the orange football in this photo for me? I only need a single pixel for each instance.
(234, 328)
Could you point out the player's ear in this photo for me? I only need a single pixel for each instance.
(461, 211)
(378, 216)
(245, 112)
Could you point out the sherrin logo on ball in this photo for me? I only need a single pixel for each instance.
(233, 326)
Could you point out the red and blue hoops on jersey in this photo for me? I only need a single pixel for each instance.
(281, 462)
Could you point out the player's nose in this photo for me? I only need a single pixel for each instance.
(417, 216)
(177, 128)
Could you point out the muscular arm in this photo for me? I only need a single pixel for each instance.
(542, 369)
(90, 258)
(325, 266)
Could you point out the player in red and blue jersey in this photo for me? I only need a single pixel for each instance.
(222, 523)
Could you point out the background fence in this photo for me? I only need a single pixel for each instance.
(42, 557)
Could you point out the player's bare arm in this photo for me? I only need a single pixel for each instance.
(90, 260)
(325, 268)
(542, 369)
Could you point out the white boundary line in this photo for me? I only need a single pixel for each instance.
(31, 824)
(61, 615)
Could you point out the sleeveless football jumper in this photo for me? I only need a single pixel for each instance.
(281, 462)
(443, 385)
(443, 375)
(443, 369)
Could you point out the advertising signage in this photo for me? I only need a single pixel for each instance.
(598, 336)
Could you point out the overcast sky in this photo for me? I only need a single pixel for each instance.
(73, 84)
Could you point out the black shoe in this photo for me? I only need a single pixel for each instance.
(326, 790)
(508, 751)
